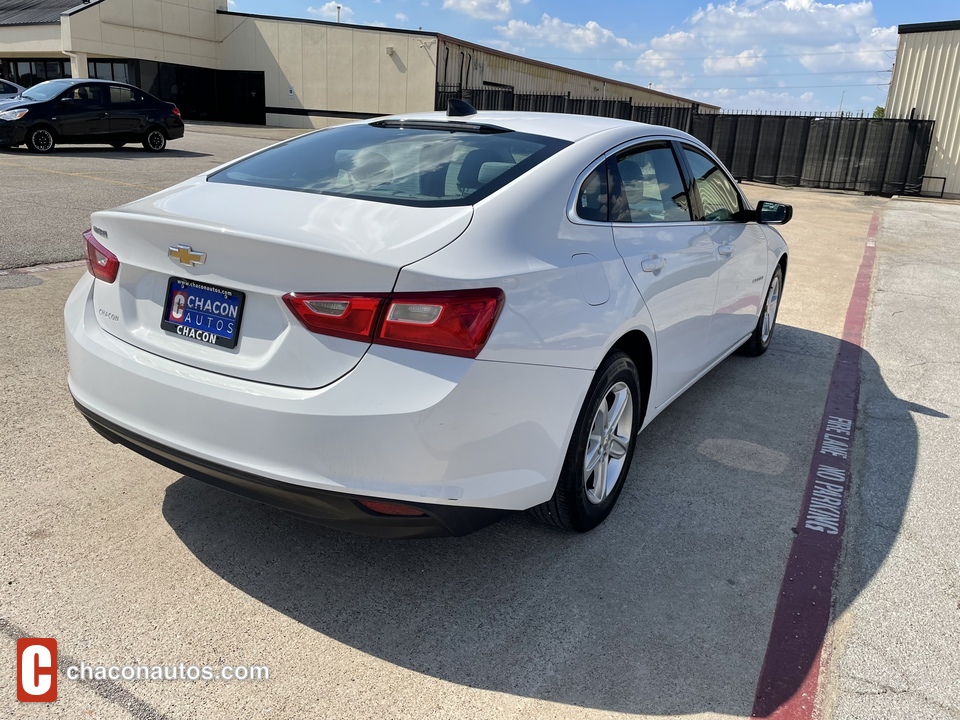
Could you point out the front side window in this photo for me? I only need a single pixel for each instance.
(651, 185)
(86, 94)
(425, 166)
(718, 195)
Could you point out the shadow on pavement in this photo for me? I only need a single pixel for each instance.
(663, 610)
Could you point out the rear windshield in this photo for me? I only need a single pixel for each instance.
(422, 166)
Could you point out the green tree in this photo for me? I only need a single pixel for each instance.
(878, 111)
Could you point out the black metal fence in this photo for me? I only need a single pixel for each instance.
(829, 150)
(624, 109)
(884, 156)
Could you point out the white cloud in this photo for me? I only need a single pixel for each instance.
(733, 64)
(785, 54)
(481, 9)
(329, 11)
(401, 17)
(554, 32)
(751, 100)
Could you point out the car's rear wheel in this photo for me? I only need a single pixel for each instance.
(763, 333)
(41, 140)
(600, 450)
(154, 140)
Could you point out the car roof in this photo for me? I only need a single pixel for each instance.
(77, 81)
(557, 125)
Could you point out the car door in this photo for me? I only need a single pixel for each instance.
(83, 112)
(672, 260)
(740, 247)
(126, 112)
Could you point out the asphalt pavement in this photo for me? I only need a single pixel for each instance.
(663, 611)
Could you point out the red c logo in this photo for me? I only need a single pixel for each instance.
(36, 669)
(178, 305)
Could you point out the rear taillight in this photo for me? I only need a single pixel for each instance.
(101, 263)
(352, 317)
(176, 111)
(455, 322)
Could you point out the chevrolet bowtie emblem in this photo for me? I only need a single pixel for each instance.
(185, 255)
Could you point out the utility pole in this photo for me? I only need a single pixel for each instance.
(338, 13)
(840, 112)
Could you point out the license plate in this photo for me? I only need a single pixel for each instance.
(203, 312)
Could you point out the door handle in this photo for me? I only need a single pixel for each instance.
(653, 264)
(725, 249)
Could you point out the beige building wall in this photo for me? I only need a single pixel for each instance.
(926, 78)
(174, 31)
(31, 40)
(472, 65)
(329, 70)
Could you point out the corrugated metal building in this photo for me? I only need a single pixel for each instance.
(222, 65)
(926, 84)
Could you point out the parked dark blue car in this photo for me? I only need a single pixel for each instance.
(87, 111)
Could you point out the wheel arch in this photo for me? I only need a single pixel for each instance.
(637, 346)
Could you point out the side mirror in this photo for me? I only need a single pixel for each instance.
(773, 213)
(66, 99)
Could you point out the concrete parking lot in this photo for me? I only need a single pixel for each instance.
(663, 611)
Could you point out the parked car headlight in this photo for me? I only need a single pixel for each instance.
(13, 114)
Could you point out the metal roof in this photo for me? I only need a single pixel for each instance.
(34, 12)
(944, 26)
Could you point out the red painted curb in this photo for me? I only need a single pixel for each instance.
(789, 677)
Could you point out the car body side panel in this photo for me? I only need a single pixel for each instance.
(521, 241)
(743, 279)
(680, 295)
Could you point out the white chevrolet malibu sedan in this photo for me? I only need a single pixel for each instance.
(416, 325)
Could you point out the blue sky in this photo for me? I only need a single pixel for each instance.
(739, 54)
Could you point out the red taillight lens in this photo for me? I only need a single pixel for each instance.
(347, 316)
(101, 263)
(176, 111)
(455, 322)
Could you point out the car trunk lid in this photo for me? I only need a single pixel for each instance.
(262, 243)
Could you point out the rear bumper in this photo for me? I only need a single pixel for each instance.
(428, 430)
(331, 509)
(174, 130)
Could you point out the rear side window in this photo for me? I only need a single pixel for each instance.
(408, 165)
(718, 195)
(122, 96)
(592, 203)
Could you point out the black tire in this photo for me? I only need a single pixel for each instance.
(571, 506)
(760, 340)
(41, 139)
(117, 145)
(154, 140)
